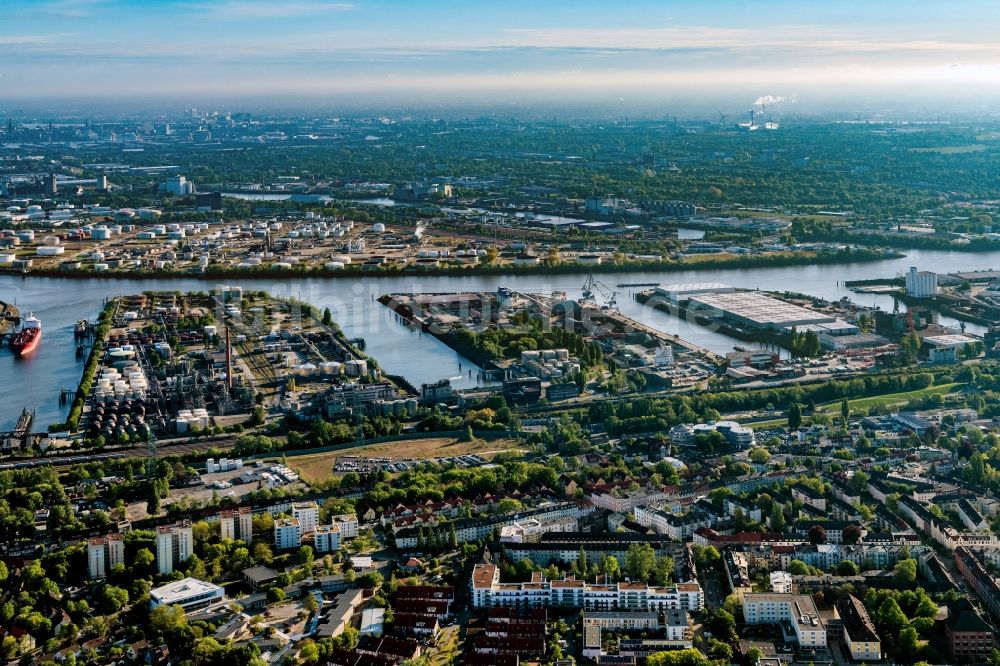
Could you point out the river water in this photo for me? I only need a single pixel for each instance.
(35, 381)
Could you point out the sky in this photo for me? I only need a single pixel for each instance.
(558, 49)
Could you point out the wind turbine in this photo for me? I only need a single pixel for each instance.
(722, 118)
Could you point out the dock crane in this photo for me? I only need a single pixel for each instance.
(591, 285)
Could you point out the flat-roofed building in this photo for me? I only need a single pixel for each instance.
(188, 593)
(796, 613)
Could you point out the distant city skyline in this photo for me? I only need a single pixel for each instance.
(175, 48)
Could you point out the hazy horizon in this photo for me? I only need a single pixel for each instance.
(803, 58)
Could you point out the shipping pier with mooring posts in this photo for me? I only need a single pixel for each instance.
(10, 318)
(21, 438)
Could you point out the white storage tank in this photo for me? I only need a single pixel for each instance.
(378, 228)
(211, 331)
(356, 368)
(334, 266)
(341, 258)
(330, 368)
(50, 250)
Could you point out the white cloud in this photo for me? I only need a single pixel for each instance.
(262, 9)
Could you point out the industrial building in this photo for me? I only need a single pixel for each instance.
(677, 293)
(921, 284)
(946, 348)
(756, 311)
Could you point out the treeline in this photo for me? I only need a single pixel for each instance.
(652, 414)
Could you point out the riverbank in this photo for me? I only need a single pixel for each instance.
(856, 255)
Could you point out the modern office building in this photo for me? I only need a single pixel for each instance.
(188, 593)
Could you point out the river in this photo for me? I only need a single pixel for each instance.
(35, 381)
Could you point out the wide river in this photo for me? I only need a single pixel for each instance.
(35, 381)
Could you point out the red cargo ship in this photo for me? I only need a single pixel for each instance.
(28, 337)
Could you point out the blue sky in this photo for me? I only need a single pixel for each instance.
(176, 48)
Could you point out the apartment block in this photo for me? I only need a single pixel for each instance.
(174, 545)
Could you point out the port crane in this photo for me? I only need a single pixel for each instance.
(590, 286)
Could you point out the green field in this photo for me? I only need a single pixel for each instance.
(888, 399)
(891, 399)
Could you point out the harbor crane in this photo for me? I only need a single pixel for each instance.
(590, 286)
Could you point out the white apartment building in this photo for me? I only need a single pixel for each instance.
(798, 610)
(488, 591)
(174, 544)
(236, 524)
(307, 513)
(328, 538)
(287, 533)
(532, 529)
(674, 526)
(781, 582)
(348, 524)
(103, 553)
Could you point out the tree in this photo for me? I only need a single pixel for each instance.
(907, 644)
(851, 534)
(262, 553)
(639, 561)
(275, 594)
(777, 518)
(845, 411)
(327, 317)
(759, 455)
(611, 567)
(891, 616)
(581, 562)
(794, 416)
(817, 534)
(905, 572)
(798, 568)
(847, 568)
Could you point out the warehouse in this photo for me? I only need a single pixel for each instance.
(756, 311)
(676, 293)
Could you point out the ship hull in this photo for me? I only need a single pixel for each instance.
(25, 342)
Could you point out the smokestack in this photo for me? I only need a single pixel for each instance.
(229, 360)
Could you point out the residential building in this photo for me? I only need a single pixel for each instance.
(781, 582)
(287, 533)
(174, 545)
(488, 591)
(674, 526)
(348, 524)
(236, 524)
(795, 611)
(859, 631)
(307, 513)
(474, 529)
(970, 637)
(103, 553)
(328, 538)
(737, 572)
